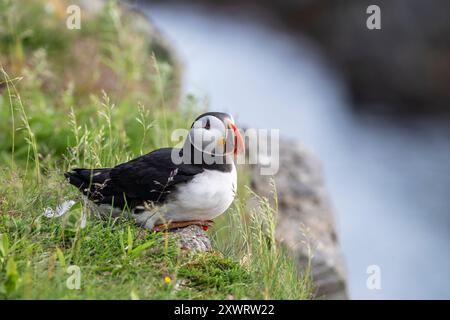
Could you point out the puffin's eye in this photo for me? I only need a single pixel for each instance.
(208, 124)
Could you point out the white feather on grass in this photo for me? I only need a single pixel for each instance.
(60, 210)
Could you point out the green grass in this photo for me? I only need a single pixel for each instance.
(54, 117)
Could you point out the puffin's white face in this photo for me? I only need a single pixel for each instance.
(213, 135)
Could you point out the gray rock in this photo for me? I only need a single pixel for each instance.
(192, 238)
(305, 218)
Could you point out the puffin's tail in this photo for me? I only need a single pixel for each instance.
(84, 178)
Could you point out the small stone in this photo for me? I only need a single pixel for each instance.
(193, 237)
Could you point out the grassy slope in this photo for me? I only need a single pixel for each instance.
(97, 97)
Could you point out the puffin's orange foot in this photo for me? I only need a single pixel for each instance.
(204, 224)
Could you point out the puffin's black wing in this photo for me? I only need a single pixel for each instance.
(149, 178)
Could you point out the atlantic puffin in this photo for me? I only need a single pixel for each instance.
(171, 187)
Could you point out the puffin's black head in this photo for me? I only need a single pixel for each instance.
(224, 117)
(216, 131)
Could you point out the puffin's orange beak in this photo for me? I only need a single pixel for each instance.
(239, 146)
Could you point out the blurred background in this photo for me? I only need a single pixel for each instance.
(374, 105)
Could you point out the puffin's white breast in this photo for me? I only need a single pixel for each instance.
(205, 197)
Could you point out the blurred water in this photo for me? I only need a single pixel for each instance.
(389, 180)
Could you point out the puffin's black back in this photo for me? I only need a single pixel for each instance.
(149, 178)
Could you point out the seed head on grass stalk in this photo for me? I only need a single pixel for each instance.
(106, 113)
(30, 139)
(142, 120)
